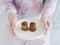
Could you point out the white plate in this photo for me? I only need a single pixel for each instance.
(28, 35)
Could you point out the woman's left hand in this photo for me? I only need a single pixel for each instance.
(46, 22)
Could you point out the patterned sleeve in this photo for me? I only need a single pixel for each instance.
(9, 6)
(49, 7)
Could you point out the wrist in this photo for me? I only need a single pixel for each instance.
(12, 17)
(45, 15)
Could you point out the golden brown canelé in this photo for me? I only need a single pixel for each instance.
(24, 26)
(32, 27)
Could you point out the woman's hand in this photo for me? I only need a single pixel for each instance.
(11, 24)
(46, 22)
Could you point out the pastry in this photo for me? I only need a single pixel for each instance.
(32, 27)
(24, 26)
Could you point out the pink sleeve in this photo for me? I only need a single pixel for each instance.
(49, 7)
(8, 3)
(9, 6)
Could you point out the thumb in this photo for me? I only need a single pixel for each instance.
(46, 25)
(49, 24)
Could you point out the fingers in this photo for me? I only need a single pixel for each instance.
(11, 29)
(13, 26)
(47, 25)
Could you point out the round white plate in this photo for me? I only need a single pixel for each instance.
(28, 35)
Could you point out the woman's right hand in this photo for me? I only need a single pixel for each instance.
(11, 23)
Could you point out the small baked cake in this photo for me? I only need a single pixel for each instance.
(32, 27)
(24, 26)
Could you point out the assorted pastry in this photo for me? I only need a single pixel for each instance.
(24, 26)
(32, 27)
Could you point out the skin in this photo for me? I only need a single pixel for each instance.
(11, 23)
(46, 22)
(13, 19)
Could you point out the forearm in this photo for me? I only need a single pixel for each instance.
(49, 7)
(7, 4)
(46, 15)
(12, 17)
(10, 9)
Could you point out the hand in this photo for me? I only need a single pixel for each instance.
(11, 28)
(46, 22)
(11, 24)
